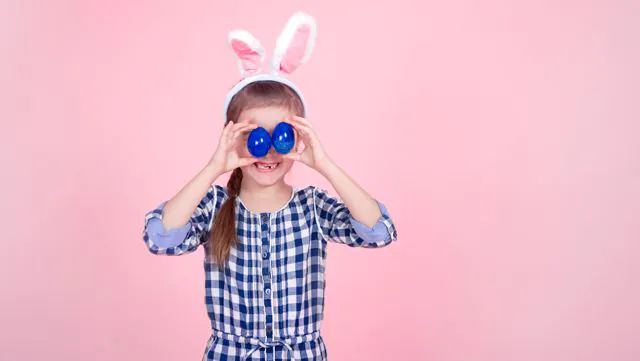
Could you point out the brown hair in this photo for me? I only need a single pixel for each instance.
(259, 94)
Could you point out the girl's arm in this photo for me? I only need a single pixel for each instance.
(184, 239)
(357, 219)
(179, 225)
(226, 158)
(362, 206)
(179, 209)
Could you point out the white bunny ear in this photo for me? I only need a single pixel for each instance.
(295, 44)
(249, 51)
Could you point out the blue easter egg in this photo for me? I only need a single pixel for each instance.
(283, 138)
(259, 142)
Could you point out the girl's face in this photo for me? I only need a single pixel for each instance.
(272, 168)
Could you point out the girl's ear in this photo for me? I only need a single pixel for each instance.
(248, 50)
(295, 44)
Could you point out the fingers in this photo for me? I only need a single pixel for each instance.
(241, 129)
(244, 128)
(246, 161)
(297, 153)
(225, 131)
(304, 127)
(238, 136)
(299, 146)
(302, 120)
(293, 156)
(237, 129)
(301, 123)
(240, 126)
(305, 131)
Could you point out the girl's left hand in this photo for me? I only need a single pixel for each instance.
(313, 154)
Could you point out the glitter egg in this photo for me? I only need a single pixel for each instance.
(283, 138)
(259, 142)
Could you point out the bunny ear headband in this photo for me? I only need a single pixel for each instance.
(293, 48)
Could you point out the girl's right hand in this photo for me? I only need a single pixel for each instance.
(226, 157)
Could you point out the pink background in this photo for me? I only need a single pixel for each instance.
(503, 136)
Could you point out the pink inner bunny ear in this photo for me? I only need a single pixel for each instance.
(248, 50)
(295, 44)
(293, 56)
(249, 58)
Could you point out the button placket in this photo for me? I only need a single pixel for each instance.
(266, 276)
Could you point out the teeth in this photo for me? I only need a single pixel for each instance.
(266, 166)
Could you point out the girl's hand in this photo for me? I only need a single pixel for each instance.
(312, 154)
(226, 157)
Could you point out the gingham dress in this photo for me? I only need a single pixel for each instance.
(267, 302)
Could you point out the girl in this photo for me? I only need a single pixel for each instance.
(264, 240)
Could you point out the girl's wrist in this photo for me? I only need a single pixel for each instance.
(213, 171)
(326, 166)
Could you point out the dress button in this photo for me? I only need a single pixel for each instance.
(265, 218)
(267, 292)
(269, 329)
(265, 254)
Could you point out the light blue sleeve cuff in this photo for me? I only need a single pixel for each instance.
(163, 237)
(379, 231)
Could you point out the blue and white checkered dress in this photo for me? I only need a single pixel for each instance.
(268, 302)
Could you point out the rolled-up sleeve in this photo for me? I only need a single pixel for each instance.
(187, 238)
(383, 230)
(166, 238)
(338, 225)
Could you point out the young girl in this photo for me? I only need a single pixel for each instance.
(264, 240)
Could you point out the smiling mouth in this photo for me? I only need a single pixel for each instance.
(263, 167)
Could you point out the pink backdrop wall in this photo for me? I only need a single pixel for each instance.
(503, 136)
